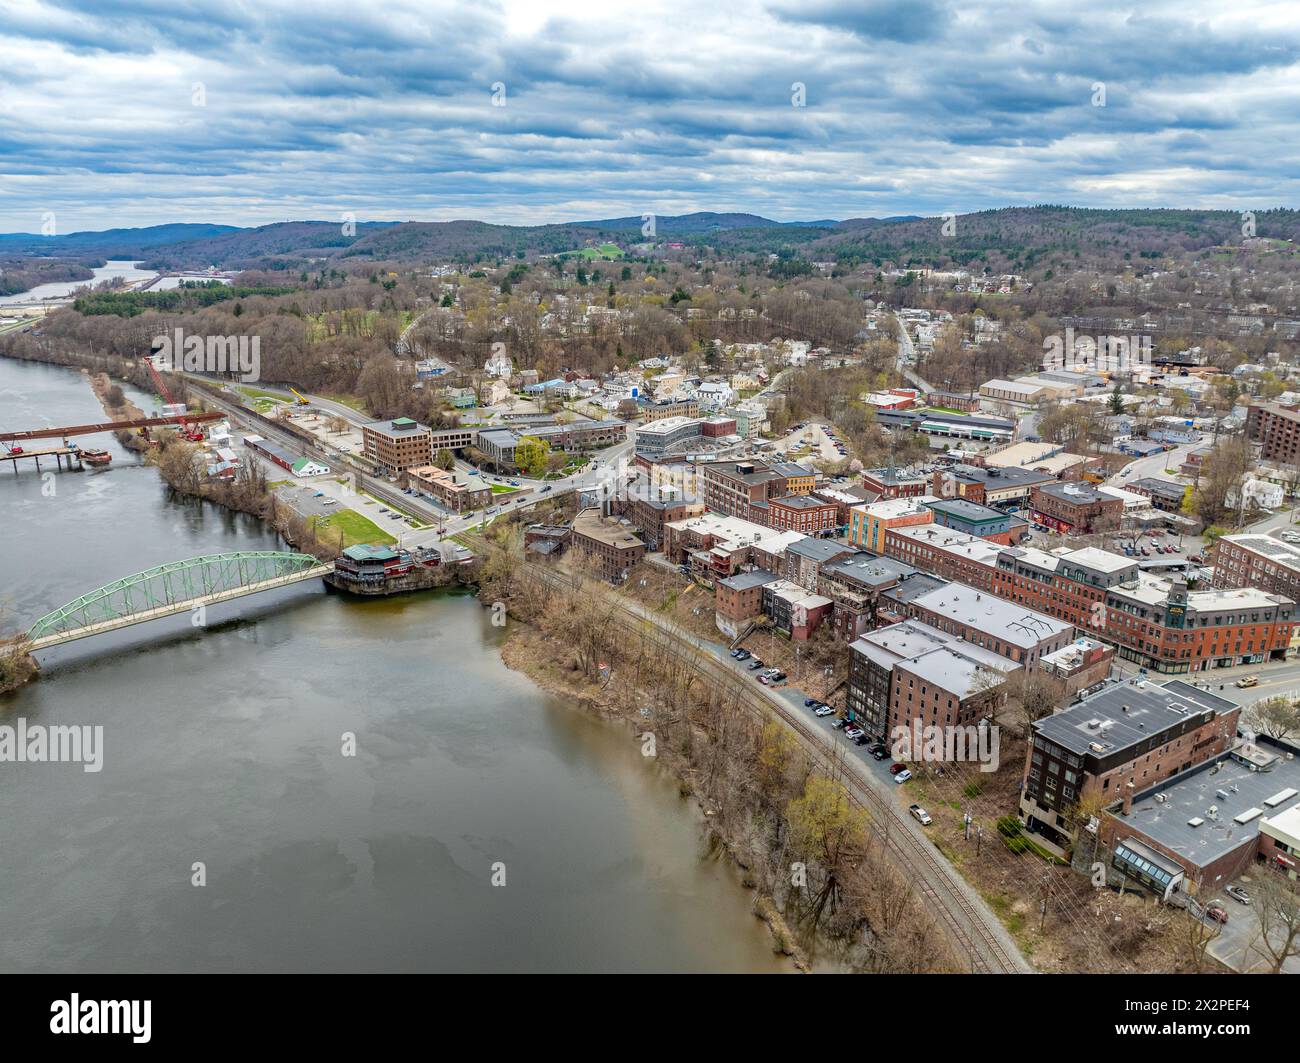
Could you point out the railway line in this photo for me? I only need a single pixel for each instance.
(973, 930)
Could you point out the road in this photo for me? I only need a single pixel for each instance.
(907, 359)
(976, 932)
(607, 470)
(1155, 466)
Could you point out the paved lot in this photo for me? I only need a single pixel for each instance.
(1237, 943)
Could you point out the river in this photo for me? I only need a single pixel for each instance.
(222, 747)
(113, 268)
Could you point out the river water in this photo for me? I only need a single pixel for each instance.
(222, 746)
(112, 268)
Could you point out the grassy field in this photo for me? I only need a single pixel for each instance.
(355, 527)
(605, 251)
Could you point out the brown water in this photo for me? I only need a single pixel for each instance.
(222, 745)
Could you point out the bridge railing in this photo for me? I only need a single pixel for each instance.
(170, 584)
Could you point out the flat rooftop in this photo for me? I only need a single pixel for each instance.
(996, 617)
(1247, 788)
(1126, 714)
(744, 581)
(955, 542)
(911, 638)
(960, 667)
(607, 530)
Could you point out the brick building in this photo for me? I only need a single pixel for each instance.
(1115, 744)
(397, 445)
(869, 523)
(610, 545)
(732, 487)
(890, 483)
(801, 513)
(1276, 428)
(1257, 561)
(457, 493)
(1074, 508)
(945, 553)
(738, 599)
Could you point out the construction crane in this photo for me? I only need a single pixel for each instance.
(301, 400)
(194, 435)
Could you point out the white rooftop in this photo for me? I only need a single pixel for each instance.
(995, 617)
(951, 541)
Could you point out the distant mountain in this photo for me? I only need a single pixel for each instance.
(1016, 237)
(109, 242)
(288, 245)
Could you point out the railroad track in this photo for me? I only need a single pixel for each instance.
(969, 928)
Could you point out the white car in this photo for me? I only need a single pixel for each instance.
(825, 710)
(903, 775)
(329, 502)
(921, 815)
(853, 732)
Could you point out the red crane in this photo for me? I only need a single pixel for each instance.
(194, 435)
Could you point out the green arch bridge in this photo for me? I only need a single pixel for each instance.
(175, 587)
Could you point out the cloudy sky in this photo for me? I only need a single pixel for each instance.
(135, 112)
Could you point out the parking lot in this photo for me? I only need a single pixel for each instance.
(1237, 944)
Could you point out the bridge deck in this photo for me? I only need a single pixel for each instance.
(172, 608)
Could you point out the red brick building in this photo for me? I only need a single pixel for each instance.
(1074, 508)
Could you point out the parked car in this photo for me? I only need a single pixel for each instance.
(824, 710)
(778, 677)
(743, 655)
(1237, 894)
(879, 752)
(894, 769)
(854, 732)
(860, 740)
(1197, 559)
(808, 703)
(755, 665)
(840, 721)
(920, 815)
(330, 502)
(1216, 911)
(903, 776)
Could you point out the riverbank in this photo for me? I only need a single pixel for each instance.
(824, 881)
(542, 659)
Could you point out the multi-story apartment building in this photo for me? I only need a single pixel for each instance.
(911, 671)
(657, 411)
(854, 584)
(397, 445)
(793, 610)
(650, 511)
(1257, 561)
(667, 433)
(1009, 630)
(804, 559)
(945, 553)
(609, 544)
(1074, 508)
(890, 483)
(732, 487)
(1276, 428)
(983, 522)
(802, 513)
(1115, 744)
(868, 523)
(738, 599)
(1156, 623)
